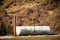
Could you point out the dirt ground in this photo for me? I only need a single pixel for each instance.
(39, 37)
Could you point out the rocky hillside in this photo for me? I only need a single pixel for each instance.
(33, 12)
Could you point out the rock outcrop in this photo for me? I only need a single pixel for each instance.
(34, 13)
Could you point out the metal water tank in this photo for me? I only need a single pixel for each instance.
(28, 30)
(24, 30)
(42, 29)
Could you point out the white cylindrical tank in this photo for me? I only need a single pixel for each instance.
(24, 30)
(42, 29)
(27, 30)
